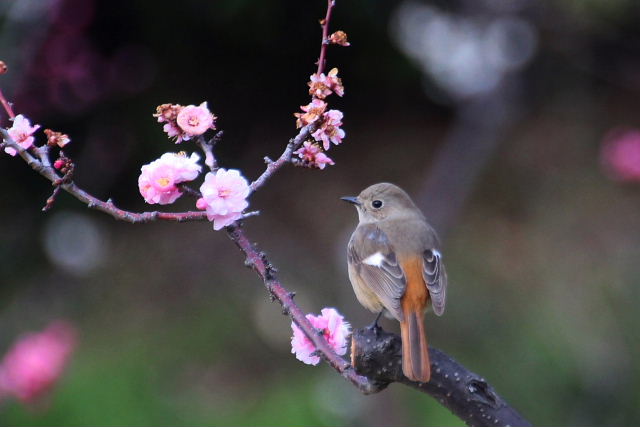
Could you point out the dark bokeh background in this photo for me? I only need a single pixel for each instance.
(490, 113)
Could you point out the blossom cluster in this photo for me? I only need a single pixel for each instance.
(327, 123)
(311, 155)
(22, 133)
(223, 194)
(321, 86)
(332, 326)
(183, 123)
(35, 362)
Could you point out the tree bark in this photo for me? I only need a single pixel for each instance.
(377, 355)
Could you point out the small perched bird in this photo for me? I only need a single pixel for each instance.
(395, 267)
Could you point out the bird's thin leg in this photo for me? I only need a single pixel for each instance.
(374, 325)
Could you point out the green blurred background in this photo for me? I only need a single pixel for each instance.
(490, 113)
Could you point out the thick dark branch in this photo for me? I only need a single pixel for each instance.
(378, 355)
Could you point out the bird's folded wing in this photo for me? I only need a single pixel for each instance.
(372, 257)
(435, 277)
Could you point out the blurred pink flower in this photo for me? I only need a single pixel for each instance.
(224, 195)
(334, 328)
(330, 131)
(312, 156)
(195, 121)
(322, 86)
(21, 132)
(312, 112)
(620, 155)
(34, 363)
(158, 180)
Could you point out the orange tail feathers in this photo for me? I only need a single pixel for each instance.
(415, 353)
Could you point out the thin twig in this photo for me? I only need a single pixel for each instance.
(325, 37)
(92, 202)
(188, 190)
(250, 214)
(273, 166)
(207, 149)
(305, 132)
(7, 106)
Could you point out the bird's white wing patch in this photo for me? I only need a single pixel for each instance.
(374, 260)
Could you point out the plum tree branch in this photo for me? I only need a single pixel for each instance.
(376, 355)
(257, 261)
(325, 36)
(6, 105)
(376, 358)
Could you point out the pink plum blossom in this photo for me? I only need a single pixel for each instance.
(312, 156)
(620, 155)
(195, 121)
(322, 86)
(173, 131)
(334, 329)
(330, 131)
(183, 123)
(21, 132)
(312, 112)
(224, 195)
(158, 181)
(35, 362)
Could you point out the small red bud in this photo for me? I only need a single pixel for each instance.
(59, 164)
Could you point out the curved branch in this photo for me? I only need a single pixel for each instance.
(257, 260)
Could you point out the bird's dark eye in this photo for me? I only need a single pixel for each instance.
(377, 204)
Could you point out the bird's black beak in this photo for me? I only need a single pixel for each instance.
(353, 200)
